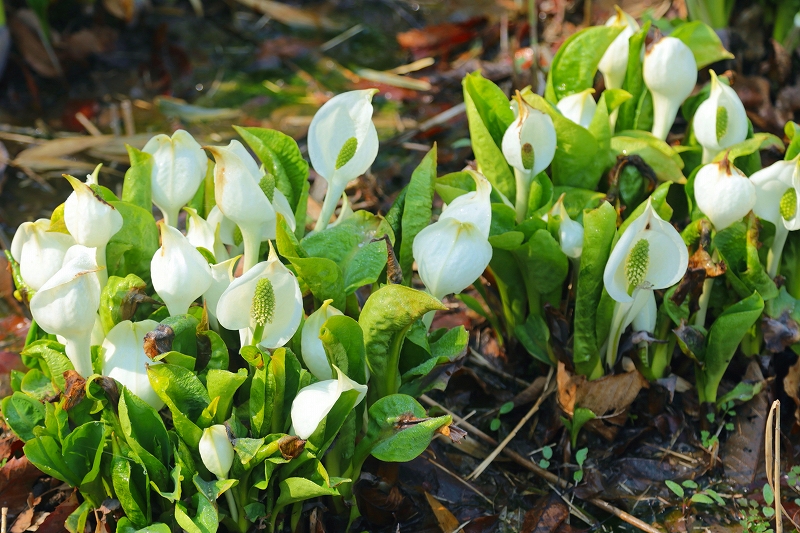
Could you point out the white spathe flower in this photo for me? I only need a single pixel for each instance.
(314, 355)
(614, 62)
(125, 360)
(344, 213)
(216, 450)
(670, 72)
(67, 305)
(342, 144)
(644, 318)
(650, 254)
(529, 145)
(570, 232)
(777, 188)
(39, 252)
(238, 192)
(723, 193)
(222, 276)
(179, 272)
(90, 220)
(579, 107)
(720, 121)
(454, 251)
(179, 166)
(201, 233)
(313, 403)
(274, 305)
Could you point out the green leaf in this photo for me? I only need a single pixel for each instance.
(598, 234)
(132, 248)
(323, 277)
(634, 82)
(76, 521)
(131, 486)
(282, 158)
(742, 392)
(575, 64)
(298, 489)
(664, 161)
(534, 336)
(738, 246)
(703, 42)
(790, 129)
(489, 115)
(509, 279)
(224, 384)
(22, 413)
(386, 317)
(118, 299)
(724, 336)
(45, 453)
(447, 353)
(544, 266)
(417, 209)
(580, 416)
(343, 340)
(137, 188)
(674, 487)
(702, 498)
(124, 525)
(759, 141)
(185, 396)
(352, 246)
(600, 126)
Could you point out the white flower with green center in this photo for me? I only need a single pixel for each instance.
(723, 193)
(777, 201)
(125, 360)
(529, 145)
(614, 62)
(313, 403)
(265, 304)
(179, 166)
(670, 72)
(313, 351)
(222, 275)
(39, 252)
(180, 273)
(720, 121)
(342, 144)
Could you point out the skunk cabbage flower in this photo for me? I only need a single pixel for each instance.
(644, 319)
(180, 273)
(723, 193)
(179, 166)
(201, 233)
(454, 251)
(242, 193)
(314, 355)
(777, 188)
(125, 360)
(67, 305)
(313, 403)
(570, 232)
(344, 213)
(342, 144)
(650, 255)
(614, 62)
(266, 300)
(216, 450)
(720, 121)
(579, 107)
(222, 275)
(670, 72)
(529, 145)
(39, 252)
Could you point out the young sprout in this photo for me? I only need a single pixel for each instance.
(180, 273)
(314, 355)
(39, 252)
(313, 403)
(720, 121)
(670, 72)
(179, 166)
(125, 360)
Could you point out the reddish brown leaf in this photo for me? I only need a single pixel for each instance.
(547, 517)
(16, 479)
(447, 522)
(54, 523)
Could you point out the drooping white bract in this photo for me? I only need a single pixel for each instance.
(216, 450)
(614, 62)
(570, 232)
(222, 275)
(39, 252)
(180, 273)
(125, 360)
(579, 107)
(723, 193)
(313, 403)
(314, 355)
(529, 145)
(644, 319)
(670, 72)
(342, 144)
(720, 121)
(454, 251)
(179, 166)
(279, 315)
(67, 305)
(201, 233)
(777, 193)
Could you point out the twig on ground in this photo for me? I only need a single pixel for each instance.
(486, 462)
(541, 472)
(461, 480)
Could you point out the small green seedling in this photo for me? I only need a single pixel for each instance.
(504, 409)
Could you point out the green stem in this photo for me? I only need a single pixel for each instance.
(79, 352)
(523, 192)
(232, 508)
(776, 250)
(258, 334)
(328, 206)
(705, 297)
(252, 247)
(170, 216)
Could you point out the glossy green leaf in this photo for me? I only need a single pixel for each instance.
(185, 396)
(118, 300)
(131, 249)
(417, 210)
(343, 340)
(703, 42)
(634, 82)
(145, 433)
(224, 384)
(22, 413)
(656, 153)
(323, 277)
(137, 188)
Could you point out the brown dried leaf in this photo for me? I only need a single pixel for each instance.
(158, 341)
(29, 37)
(780, 333)
(292, 16)
(291, 446)
(55, 520)
(16, 479)
(700, 267)
(50, 154)
(547, 517)
(455, 433)
(791, 384)
(75, 389)
(447, 522)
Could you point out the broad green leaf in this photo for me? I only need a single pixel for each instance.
(328, 429)
(36, 385)
(185, 396)
(298, 489)
(124, 525)
(534, 335)
(131, 486)
(575, 64)
(703, 42)
(634, 82)
(742, 392)
(598, 233)
(447, 353)
(131, 249)
(509, 280)
(386, 317)
(600, 126)
(145, 433)
(417, 210)
(45, 453)
(790, 129)
(542, 263)
(489, 115)
(758, 142)
(55, 360)
(262, 390)
(22, 413)
(224, 384)
(656, 153)
(323, 277)
(738, 246)
(118, 300)
(76, 521)
(137, 188)
(343, 340)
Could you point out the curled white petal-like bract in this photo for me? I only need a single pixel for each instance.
(125, 360)
(570, 232)
(179, 272)
(771, 184)
(644, 312)
(530, 127)
(723, 193)
(714, 131)
(579, 107)
(474, 207)
(666, 263)
(313, 352)
(201, 233)
(670, 72)
(216, 450)
(179, 166)
(614, 62)
(222, 276)
(90, 220)
(313, 403)
(39, 252)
